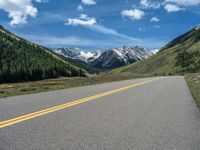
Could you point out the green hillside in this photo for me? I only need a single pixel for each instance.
(178, 56)
(21, 60)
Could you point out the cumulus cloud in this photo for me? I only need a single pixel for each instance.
(169, 5)
(184, 2)
(155, 19)
(172, 8)
(134, 14)
(89, 2)
(150, 4)
(83, 20)
(19, 10)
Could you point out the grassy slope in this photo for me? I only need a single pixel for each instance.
(13, 89)
(194, 85)
(164, 61)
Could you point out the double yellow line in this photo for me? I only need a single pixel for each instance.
(16, 120)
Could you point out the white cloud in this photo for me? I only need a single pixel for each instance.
(172, 8)
(91, 23)
(169, 5)
(155, 19)
(134, 14)
(89, 2)
(109, 31)
(80, 8)
(185, 2)
(19, 10)
(149, 4)
(178, 5)
(84, 16)
(83, 20)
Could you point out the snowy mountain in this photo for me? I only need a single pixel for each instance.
(114, 58)
(108, 59)
(77, 54)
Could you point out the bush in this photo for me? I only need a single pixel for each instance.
(188, 61)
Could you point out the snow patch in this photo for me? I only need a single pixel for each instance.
(77, 54)
(86, 55)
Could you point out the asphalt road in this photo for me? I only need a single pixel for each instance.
(158, 114)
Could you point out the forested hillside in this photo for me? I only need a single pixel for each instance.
(21, 60)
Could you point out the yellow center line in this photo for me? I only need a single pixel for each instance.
(22, 118)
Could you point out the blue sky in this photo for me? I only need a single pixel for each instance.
(99, 24)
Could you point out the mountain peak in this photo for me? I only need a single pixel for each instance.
(77, 54)
(121, 56)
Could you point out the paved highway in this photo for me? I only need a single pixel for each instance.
(141, 114)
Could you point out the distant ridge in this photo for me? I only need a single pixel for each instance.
(108, 59)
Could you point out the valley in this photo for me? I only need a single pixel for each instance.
(25, 64)
(99, 75)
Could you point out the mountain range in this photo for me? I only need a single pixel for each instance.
(109, 59)
(21, 60)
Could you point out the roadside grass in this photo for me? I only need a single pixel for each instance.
(14, 89)
(194, 85)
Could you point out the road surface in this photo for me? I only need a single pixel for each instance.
(140, 114)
